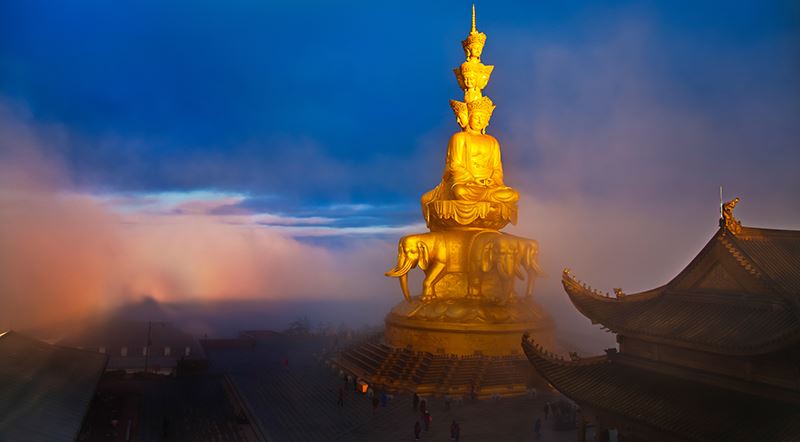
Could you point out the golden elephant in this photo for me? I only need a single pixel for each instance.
(429, 251)
(506, 254)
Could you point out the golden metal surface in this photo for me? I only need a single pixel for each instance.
(469, 300)
(731, 223)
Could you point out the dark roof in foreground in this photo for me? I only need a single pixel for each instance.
(671, 408)
(740, 295)
(45, 390)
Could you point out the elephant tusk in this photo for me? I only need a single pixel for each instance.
(400, 269)
(404, 286)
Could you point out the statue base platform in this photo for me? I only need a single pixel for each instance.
(457, 348)
(466, 326)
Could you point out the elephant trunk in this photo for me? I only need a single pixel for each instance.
(531, 282)
(404, 265)
(533, 268)
(507, 266)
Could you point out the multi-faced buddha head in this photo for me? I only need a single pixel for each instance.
(473, 75)
(473, 45)
(480, 111)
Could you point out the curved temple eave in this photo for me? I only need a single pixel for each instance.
(598, 307)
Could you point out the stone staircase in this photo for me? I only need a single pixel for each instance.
(396, 369)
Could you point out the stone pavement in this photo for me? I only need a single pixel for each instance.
(295, 398)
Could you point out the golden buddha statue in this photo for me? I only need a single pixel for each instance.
(472, 192)
(474, 169)
(468, 301)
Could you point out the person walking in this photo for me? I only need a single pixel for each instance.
(417, 430)
(340, 402)
(423, 406)
(453, 430)
(428, 420)
(416, 401)
(537, 428)
(546, 410)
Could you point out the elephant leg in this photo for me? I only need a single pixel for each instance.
(431, 278)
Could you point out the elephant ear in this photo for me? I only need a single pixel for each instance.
(424, 256)
(487, 257)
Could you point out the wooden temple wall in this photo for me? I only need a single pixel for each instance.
(771, 369)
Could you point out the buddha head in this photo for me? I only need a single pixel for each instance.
(473, 45)
(462, 115)
(473, 75)
(480, 112)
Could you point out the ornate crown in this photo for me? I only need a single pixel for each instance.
(483, 104)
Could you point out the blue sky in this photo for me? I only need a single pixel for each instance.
(305, 105)
(325, 121)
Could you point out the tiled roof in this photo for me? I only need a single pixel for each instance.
(677, 409)
(691, 321)
(735, 322)
(775, 252)
(45, 390)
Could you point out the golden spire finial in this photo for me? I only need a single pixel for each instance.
(474, 30)
(473, 45)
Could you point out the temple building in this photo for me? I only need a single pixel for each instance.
(713, 355)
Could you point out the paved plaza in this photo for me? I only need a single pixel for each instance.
(294, 395)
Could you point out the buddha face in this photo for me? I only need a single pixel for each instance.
(478, 121)
(475, 50)
(463, 119)
(469, 80)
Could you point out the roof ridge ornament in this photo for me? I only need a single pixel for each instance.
(727, 220)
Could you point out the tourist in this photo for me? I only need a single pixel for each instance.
(417, 430)
(458, 431)
(384, 399)
(453, 430)
(416, 401)
(537, 427)
(340, 402)
(423, 406)
(428, 420)
(546, 410)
